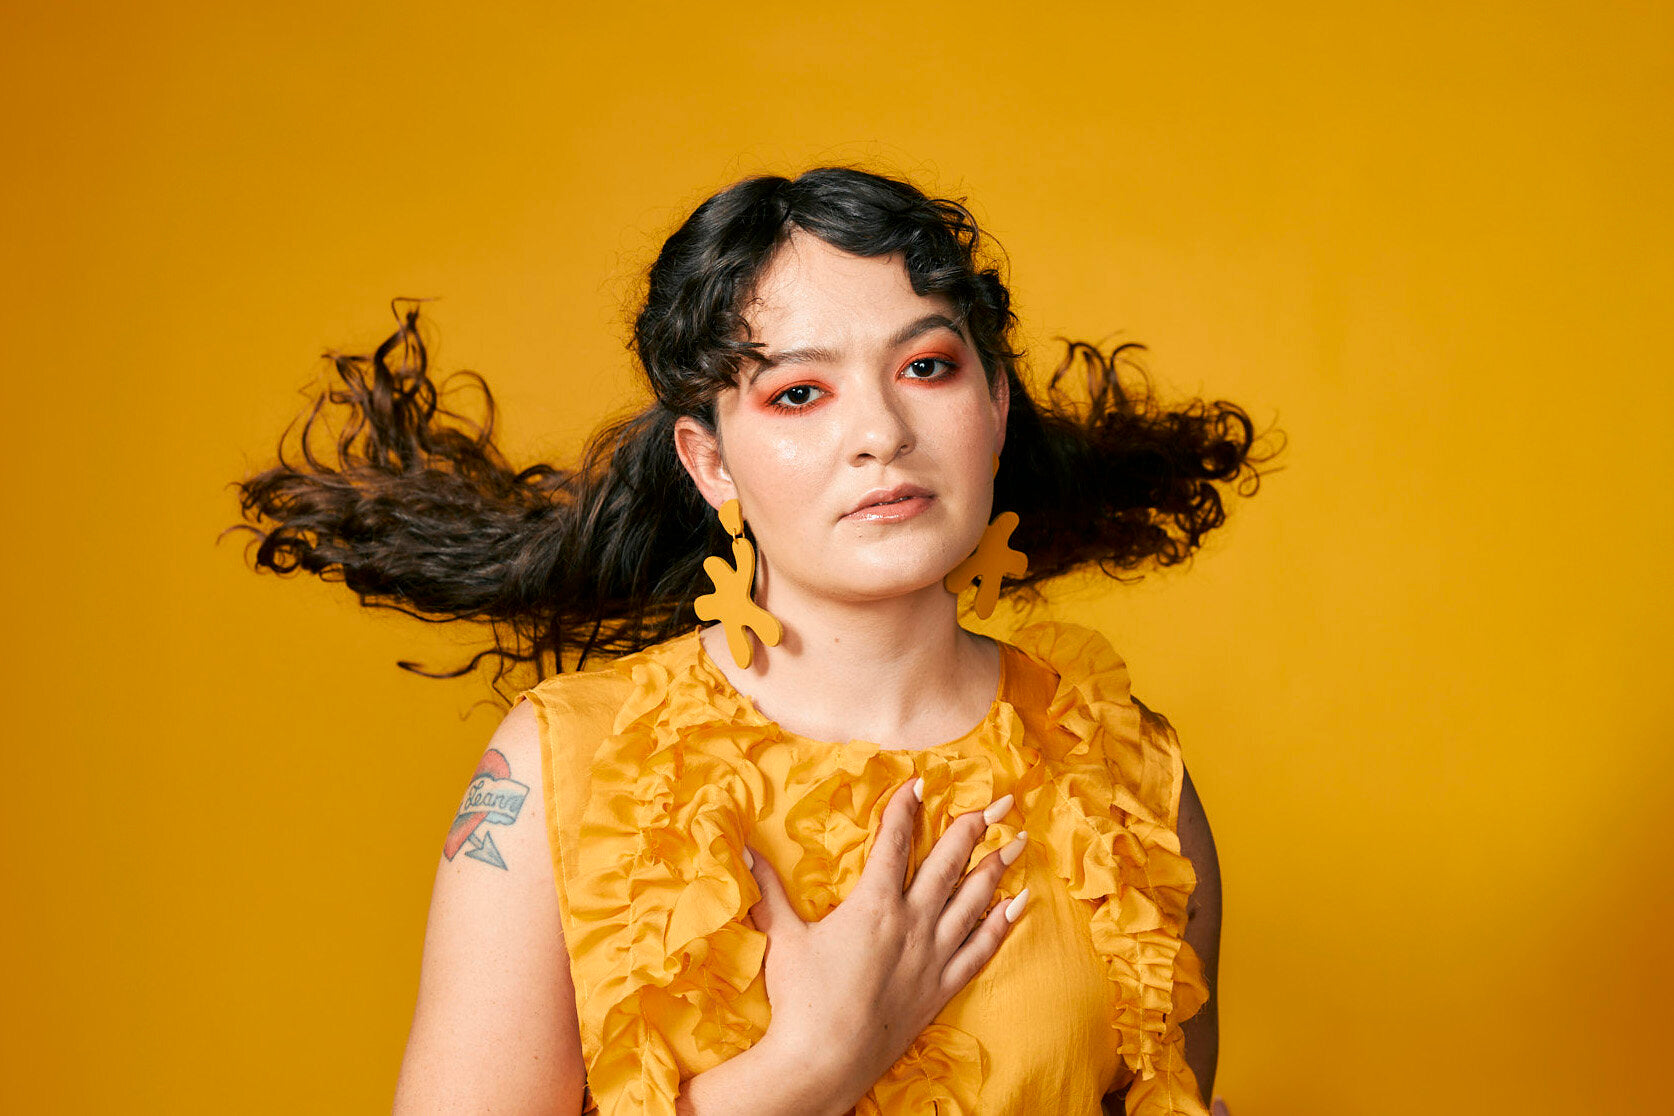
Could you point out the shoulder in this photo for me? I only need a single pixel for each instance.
(564, 718)
(1070, 678)
(518, 737)
(1073, 651)
(1082, 687)
(577, 695)
(590, 702)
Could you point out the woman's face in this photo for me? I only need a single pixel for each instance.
(862, 453)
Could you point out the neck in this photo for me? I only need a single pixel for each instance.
(901, 673)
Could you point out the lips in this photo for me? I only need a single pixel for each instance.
(880, 498)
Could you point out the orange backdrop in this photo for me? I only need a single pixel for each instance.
(1422, 679)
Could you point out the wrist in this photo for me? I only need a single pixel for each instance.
(778, 1076)
(813, 1070)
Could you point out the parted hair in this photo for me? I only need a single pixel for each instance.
(412, 506)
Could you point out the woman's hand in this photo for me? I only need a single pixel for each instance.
(852, 991)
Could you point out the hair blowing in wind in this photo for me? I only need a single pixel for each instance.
(395, 487)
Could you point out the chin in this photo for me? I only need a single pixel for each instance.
(890, 581)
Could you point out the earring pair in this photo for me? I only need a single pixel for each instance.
(733, 601)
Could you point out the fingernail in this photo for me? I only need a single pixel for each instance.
(998, 809)
(1015, 907)
(1011, 852)
(749, 861)
(918, 789)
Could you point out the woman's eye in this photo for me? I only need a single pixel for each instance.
(793, 397)
(927, 368)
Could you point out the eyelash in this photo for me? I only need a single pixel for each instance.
(952, 366)
(775, 404)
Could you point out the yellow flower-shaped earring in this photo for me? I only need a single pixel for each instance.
(992, 560)
(733, 602)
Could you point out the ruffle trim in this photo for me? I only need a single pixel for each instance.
(1109, 813)
(660, 898)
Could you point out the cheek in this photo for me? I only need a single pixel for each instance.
(781, 474)
(966, 433)
(788, 455)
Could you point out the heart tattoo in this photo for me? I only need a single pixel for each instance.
(492, 797)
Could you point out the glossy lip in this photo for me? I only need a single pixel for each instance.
(901, 502)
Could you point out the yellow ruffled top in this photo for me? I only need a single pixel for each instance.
(657, 772)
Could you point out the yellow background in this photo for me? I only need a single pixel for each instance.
(1423, 679)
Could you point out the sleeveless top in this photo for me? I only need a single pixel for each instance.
(657, 772)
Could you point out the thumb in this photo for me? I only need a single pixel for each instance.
(774, 906)
(1220, 1108)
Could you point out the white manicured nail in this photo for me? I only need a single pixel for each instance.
(1015, 907)
(1011, 852)
(998, 809)
(918, 789)
(749, 861)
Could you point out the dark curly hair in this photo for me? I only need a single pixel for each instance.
(415, 508)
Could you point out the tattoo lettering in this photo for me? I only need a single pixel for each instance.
(493, 797)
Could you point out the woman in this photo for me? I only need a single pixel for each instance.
(668, 885)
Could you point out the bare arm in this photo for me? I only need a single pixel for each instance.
(495, 1026)
(1203, 933)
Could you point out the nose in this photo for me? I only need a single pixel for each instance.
(881, 430)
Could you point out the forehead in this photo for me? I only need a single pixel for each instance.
(812, 293)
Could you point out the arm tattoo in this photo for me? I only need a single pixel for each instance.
(492, 798)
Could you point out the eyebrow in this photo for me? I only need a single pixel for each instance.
(814, 354)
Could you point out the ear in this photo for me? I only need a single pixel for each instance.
(1002, 408)
(699, 451)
